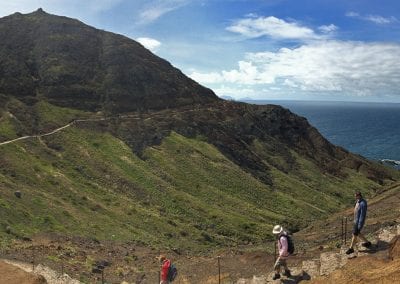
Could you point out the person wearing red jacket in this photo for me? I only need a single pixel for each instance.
(165, 264)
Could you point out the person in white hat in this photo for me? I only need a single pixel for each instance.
(282, 243)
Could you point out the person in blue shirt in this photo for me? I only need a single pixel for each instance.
(360, 214)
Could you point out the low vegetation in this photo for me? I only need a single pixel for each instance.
(181, 193)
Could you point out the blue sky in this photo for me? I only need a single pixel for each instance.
(346, 50)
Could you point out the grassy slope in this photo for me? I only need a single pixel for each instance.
(183, 193)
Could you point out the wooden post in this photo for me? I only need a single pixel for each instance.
(219, 270)
(342, 234)
(33, 259)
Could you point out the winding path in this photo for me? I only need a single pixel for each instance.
(129, 116)
(58, 129)
(37, 136)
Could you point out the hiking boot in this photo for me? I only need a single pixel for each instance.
(287, 273)
(276, 276)
(367, 244)
(350, 251)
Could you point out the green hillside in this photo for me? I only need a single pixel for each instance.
(181, 193)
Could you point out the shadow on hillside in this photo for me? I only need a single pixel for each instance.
(380, 246)
(297, 278)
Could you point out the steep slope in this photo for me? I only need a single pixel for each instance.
(149, 155)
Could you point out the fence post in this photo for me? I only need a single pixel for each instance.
(342, 235)
(33, 259)
(345, 230)
(159, 274)
(219, 270)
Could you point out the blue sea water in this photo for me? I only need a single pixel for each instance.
(369, 129)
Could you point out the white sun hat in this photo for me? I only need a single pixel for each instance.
(277, 229)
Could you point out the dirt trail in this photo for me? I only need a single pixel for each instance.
(128, 116)
(11, 274)
(24, 273)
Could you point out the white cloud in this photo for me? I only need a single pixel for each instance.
(352, 14)
(380, 20)
(272, 27)
(354, 68)
(377, 19)
(149, 43)
(235, 92)
(207, 78)
(328, 29)
(157, 8)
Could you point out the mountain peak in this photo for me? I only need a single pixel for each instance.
(74, 65)
(40, 10)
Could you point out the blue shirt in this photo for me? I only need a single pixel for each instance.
(360, 212)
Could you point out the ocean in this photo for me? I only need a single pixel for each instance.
(369, 129)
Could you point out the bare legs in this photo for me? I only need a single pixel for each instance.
(280, 262)
(354, 239)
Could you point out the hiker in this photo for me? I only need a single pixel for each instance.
(360, 214)
(282, 242)
(165, 264)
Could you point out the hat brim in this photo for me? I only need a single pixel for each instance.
(275, 232)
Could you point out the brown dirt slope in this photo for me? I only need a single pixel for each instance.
(368, 269)
(11, 274)
(383, 210)
(394, 251)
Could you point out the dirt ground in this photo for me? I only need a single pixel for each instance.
(368, 269)
(134, 264)
(10, 274)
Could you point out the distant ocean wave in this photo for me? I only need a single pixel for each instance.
(393, 163)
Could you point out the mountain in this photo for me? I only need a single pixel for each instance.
(73, 65)
(116, 144)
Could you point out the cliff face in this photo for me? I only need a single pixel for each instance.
(73, 65)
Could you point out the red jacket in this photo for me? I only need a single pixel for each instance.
(164, 269)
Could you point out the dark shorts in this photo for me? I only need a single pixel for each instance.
(356, 230)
